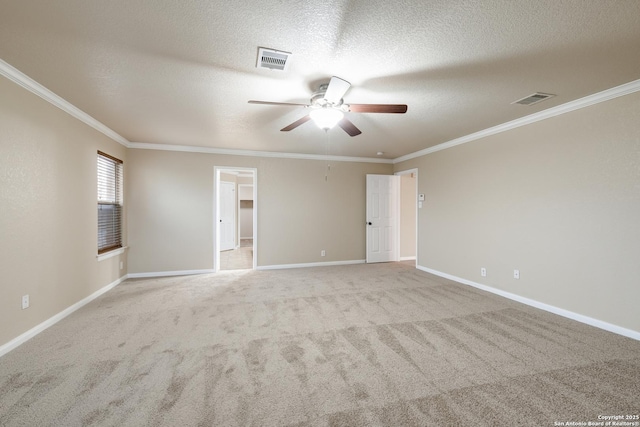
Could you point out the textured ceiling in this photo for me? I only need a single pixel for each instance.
(181, 73)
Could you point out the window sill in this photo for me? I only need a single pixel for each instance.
(112, 253)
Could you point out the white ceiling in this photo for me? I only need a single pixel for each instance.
(181, 72)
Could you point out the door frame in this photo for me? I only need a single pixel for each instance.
(217, 170)
(408, 172)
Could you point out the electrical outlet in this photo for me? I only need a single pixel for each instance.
(323, 253)
(516, 274)
(483, 272)
(25, 301)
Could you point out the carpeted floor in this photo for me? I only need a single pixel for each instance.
(360, 345)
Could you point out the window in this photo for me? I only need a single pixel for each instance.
(109, 203)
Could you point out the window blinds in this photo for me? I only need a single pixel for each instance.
(109, 203)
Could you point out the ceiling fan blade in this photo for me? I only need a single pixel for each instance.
(336, 90)
(349, 127)
(297, 123)
(277, 103)
(378, 108)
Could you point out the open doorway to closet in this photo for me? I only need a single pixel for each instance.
(408, 215)
(235, 218)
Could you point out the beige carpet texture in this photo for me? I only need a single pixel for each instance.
(357, 345)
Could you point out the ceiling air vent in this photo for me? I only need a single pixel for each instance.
(533, 99)
(273, 59)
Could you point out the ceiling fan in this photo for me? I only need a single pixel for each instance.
(328, 108)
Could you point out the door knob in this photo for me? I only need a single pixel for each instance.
(369, 223)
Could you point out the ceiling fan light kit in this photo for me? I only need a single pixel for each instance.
(326, 117)
(329, 108)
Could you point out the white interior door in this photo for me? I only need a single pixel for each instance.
(382, 218)
(227, 216)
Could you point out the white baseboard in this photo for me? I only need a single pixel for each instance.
(542, 306)
(168, 273)
(407, 258)
(310, 264)
(21, 339)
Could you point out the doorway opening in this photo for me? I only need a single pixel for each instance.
(235, 222)
(408, 215)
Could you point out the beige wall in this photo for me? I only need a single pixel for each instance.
(245, 195)
(299, 213)
(407, 216)
(48, 216)
(558, 199)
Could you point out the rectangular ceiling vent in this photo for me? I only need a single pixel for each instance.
(533, 99)
(273, 59)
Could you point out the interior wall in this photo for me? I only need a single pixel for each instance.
(407, 216)
(245, 194)
(48, 210)
(227, 177)
(245, 191)
(558, 199)
(299, 212)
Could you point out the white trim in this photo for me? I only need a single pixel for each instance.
(310, 264)
(577, 104)
(407, 258)
(272, 154)
(169, 273)
(542, 306)
(36, 88)
(110, 254)
(21, 339)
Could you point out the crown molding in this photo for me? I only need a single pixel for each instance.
(271, 154)
(36, 88)
(577, 104)
(26, 82)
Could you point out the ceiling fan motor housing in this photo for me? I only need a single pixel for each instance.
(318, 98)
